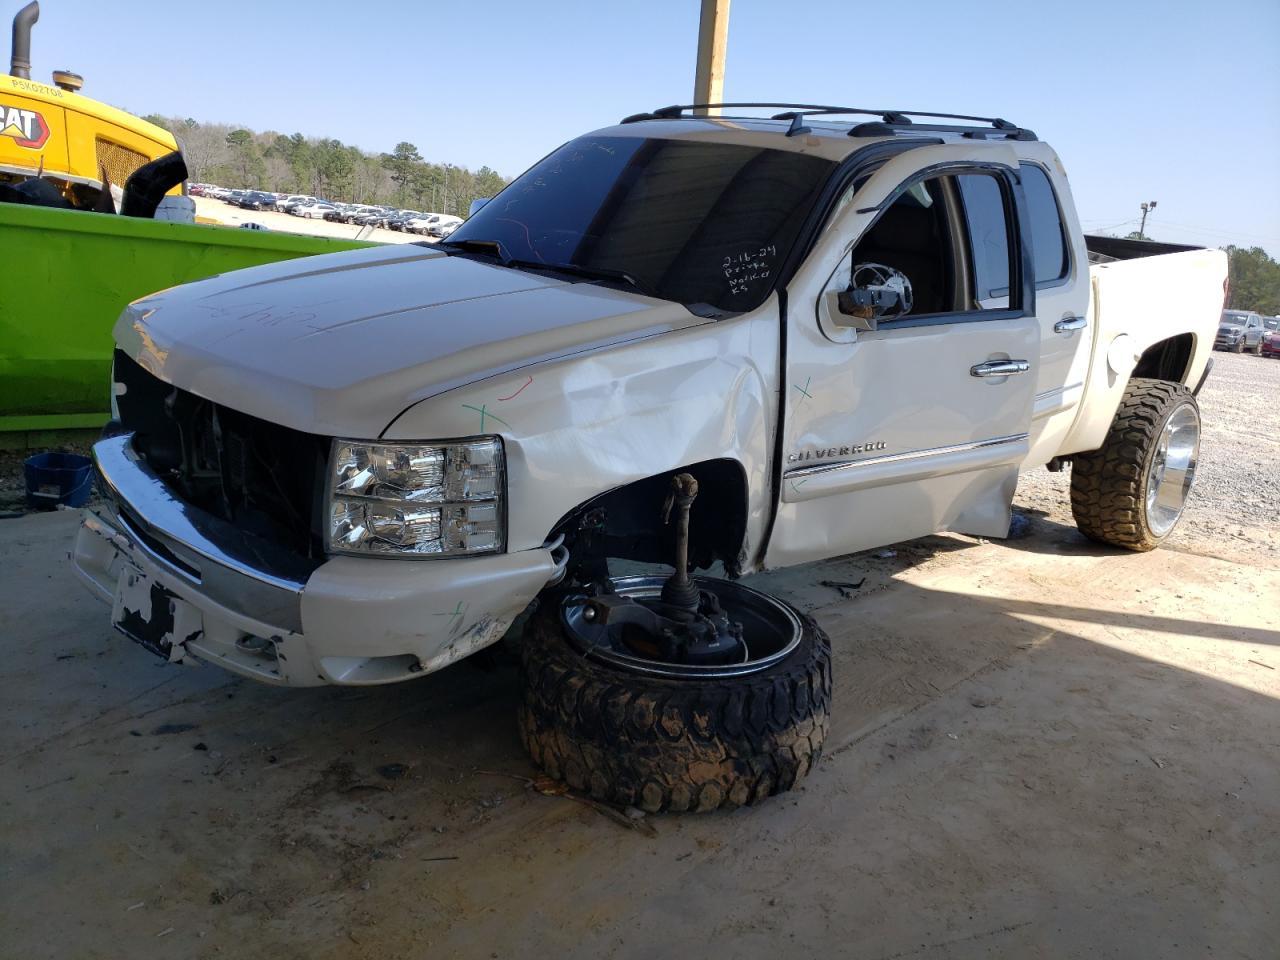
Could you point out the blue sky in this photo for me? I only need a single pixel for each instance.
(1175, 101)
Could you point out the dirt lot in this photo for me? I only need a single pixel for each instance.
(1040, 749)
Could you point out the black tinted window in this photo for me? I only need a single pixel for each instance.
(984, 214)
(1048, 238)
(695, 222)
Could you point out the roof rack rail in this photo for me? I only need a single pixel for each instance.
(890, 122)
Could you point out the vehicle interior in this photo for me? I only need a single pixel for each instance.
(925, 235)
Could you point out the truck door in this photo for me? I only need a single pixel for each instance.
(914, 423)
(1060, 265)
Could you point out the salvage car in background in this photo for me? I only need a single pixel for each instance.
(1238, 331)
(818, 337)
(257, 200)
(419, 224)
(312, 211)
(443, 225)
(1271, 337)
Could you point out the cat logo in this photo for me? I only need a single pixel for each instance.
(27, 128)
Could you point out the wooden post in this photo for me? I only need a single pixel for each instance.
(713, 38)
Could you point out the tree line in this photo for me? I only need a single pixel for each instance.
(232, 156)
(1255, 280)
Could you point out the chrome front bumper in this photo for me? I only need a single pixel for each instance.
(271, 615)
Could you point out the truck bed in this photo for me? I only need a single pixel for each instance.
(1109, 249)
(1144, 294)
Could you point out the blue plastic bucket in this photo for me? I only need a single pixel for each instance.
(54, 478)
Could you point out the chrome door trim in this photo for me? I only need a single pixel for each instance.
(822, 468)
(1070, 324)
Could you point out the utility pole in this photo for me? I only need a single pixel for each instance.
(1146, 208)
(713, 38)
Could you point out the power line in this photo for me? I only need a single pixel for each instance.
(1113, 226)
(1223, 233)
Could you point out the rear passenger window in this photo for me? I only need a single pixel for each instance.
(1048, 237)
(984, 214)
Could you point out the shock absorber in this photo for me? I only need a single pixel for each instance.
(678, 591)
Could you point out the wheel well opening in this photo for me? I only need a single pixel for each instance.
(1167, 360)
(626, 523)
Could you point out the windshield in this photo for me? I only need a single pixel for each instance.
(1234, 318)
(692, 221)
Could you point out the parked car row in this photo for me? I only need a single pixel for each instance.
(309, 207)
(406, 221)
(1241, 330)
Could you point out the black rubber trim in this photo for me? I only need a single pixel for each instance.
(777, 465)
(1203, 377)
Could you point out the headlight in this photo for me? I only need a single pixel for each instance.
(416, 500)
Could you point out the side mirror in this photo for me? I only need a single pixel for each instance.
(862, 308)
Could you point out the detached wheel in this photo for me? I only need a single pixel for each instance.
(1132, 490)
(614, 716)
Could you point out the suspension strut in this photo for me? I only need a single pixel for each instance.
(678, 590)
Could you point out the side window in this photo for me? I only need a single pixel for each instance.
(942, 246)
(1048, 236)
(984, 214)
(909, 247)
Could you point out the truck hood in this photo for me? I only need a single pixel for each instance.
(341, 344)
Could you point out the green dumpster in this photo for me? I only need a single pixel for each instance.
(67, 275)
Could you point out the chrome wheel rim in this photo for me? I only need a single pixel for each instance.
(1173, 469)
(771, 630)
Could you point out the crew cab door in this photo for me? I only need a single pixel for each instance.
(919, 424)
(1060, 265)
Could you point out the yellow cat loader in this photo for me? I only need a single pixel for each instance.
(52, 132)
(80, 187)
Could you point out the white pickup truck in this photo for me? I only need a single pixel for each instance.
(736, 340)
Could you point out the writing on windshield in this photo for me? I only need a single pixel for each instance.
(697, 222)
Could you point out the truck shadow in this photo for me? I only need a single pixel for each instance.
(282, 799)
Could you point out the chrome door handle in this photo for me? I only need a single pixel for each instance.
(1068, 324)
(999, 368)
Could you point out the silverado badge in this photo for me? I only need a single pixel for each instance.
(827, 453)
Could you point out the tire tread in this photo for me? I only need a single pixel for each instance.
(1108, 501)
(672, 745)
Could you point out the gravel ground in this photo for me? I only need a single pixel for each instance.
(1233, 507)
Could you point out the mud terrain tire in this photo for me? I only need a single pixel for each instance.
(672, 744)
(1108, 485)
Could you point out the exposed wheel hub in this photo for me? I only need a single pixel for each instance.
(679, 626)
(654, 629)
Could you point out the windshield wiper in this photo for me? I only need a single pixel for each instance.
(588, 273)
(491, 247)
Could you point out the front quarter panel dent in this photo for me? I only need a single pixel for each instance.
(579, 427)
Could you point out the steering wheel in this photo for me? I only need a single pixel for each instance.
(873, 276)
